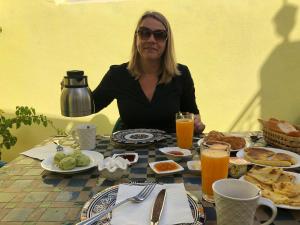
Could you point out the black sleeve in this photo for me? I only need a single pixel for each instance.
(104, 94)
(188, 99)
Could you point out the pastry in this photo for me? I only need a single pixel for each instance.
(235, 142)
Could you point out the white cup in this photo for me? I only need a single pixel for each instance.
(236, 202)
(85, 136)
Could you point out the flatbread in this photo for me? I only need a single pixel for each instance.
(283, 157)
(258, 153)
(260, 185)
(286, 188)
(268, 162)
(269, 158)
(275, 197)
(267, 175)
(282, 190)
(286, 177)
(295, 201)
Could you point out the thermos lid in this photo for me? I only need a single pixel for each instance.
(75, 74)
(75, 79)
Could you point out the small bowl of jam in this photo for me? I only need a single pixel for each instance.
(130, 156)
(175, 153)
(165, 167)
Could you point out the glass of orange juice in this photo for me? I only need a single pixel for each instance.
(184, 129)
(214, 166)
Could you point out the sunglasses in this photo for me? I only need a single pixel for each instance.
(145, 33)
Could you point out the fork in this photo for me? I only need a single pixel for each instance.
(137, 199)
(58, 146)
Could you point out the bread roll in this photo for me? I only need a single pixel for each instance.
(282, 126)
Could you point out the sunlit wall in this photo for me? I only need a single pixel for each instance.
(244, 56)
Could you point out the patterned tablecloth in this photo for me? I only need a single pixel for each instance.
(30, 195)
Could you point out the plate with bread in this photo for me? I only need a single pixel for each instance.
(265, 156)
(237, 142)
(280, 186)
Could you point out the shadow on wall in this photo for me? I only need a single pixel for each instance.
(247, 120)
(29, 136)
(280, 73)
(279, 95)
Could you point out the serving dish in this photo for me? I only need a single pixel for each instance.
(194, 165)
(284, 206)
(174, 167)
(138, 136)
(113, 168)
(132, 157)
(107, 198)
(176, 153)
(49, 165)
(276, 150)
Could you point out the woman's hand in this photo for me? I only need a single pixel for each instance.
(198, 125)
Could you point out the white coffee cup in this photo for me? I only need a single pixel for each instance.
(236, 202)
(85, 136)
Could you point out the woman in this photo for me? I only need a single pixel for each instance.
(151, 87)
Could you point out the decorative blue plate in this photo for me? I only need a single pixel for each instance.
(138, 136)
(107, 198)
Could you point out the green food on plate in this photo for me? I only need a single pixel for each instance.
(58, 157)
(70, 161)
(82, 160)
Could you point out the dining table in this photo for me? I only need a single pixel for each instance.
(31, 195)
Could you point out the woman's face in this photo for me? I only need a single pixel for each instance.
(151, 46)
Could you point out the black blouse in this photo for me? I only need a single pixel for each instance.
(135, 110)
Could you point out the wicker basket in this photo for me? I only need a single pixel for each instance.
(281, 140)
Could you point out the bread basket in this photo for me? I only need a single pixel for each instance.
(280, 140)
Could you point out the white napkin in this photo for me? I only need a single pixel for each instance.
(43, 152)
(176, 209)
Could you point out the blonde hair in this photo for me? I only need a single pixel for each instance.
(168, 62)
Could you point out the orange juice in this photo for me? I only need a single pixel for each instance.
(184, 132)
(214, 166)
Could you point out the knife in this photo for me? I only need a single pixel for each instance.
(157, 207)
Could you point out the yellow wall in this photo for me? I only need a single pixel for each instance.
(242, 66)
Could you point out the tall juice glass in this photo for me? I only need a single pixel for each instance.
(214, 166)
(184, 129)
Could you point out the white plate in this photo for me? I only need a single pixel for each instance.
(232, 150)
(95, 157)
(297, 181)
(107, 198)
(186, 153)
(179, 168)
(240, 154)
(194, 166)
(136, 156)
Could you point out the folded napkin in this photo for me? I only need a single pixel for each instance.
(43, 152)
(176, 209)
